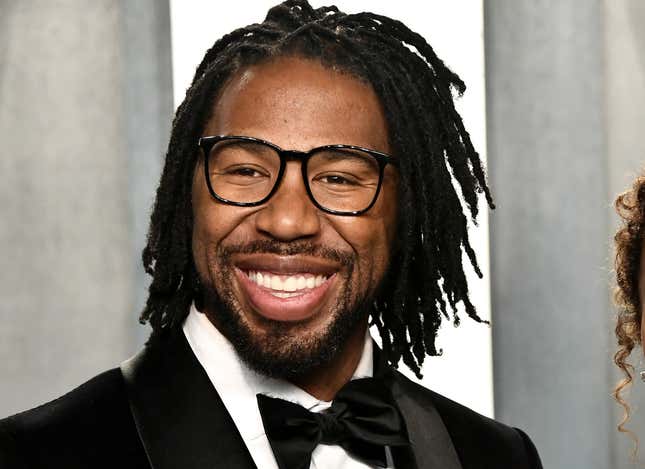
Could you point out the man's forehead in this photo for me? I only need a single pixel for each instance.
(300, 97)
(291, 79)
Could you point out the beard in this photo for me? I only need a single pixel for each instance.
(281, 349)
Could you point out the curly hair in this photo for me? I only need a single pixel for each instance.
(630, 206)
(442, 174)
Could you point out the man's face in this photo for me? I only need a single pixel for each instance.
(334, 262)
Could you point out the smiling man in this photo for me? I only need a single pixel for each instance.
(310, 187)
(291, 256)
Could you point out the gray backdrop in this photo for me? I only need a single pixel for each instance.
(566, 97)
(86, 98)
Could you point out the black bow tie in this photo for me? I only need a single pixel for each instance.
(363, 419)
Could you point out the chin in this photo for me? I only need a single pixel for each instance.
(284, 349)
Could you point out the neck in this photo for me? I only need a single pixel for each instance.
(324, 382)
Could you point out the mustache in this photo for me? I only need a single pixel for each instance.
(291, 248)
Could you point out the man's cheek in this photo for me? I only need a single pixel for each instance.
(198, 254)
(204, 255)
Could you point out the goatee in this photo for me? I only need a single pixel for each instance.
(285, 350)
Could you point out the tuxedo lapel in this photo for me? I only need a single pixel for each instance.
(429, 438)
(430, 444)
(180, 418)
(182, 422)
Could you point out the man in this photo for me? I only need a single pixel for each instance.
(308, 189)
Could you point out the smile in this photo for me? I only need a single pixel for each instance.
(287, 286)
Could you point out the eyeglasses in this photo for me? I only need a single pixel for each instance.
(246, 172)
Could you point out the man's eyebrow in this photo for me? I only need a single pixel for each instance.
(343, 154)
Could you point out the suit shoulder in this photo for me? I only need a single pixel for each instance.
(74, 429)
(99, 394)
(479, 440)
(458, 415)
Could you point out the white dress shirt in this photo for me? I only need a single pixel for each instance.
(237, 385)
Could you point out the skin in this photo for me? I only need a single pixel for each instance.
(310, 106)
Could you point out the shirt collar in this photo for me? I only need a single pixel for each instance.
(237, 384)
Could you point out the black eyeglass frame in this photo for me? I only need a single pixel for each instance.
(383, 159)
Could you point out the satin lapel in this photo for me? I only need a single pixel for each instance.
(180, 418)
(431, 445)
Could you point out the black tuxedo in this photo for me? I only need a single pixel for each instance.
(160, 411)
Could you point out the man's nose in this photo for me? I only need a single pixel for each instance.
(289, 214)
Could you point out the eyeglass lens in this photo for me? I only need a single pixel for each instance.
(342, 180)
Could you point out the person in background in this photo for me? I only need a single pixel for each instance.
(318, 180)
(630, 288)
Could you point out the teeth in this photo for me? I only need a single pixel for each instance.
(276, 283)
(284, 294)
(290, 284)
(287, 284)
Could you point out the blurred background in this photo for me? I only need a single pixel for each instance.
(555, 103)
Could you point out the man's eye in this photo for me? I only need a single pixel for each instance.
(245, 172)
(336, 179)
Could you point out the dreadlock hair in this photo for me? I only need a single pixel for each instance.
(425, 280)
